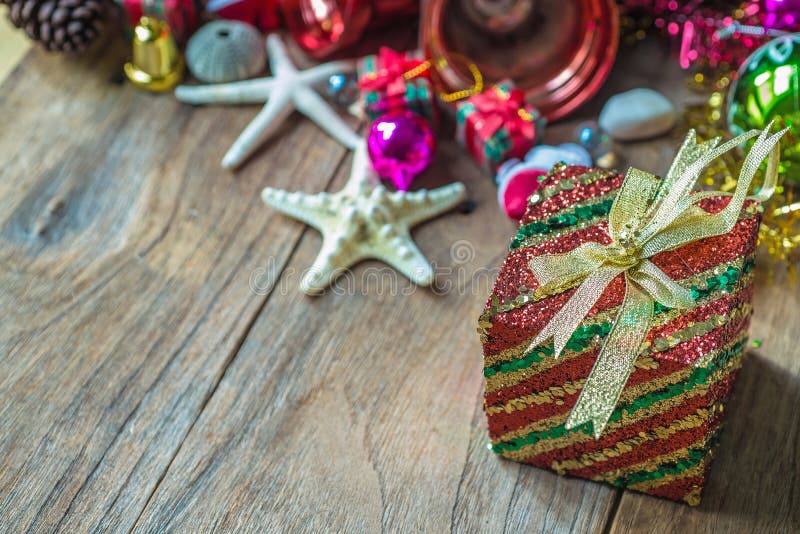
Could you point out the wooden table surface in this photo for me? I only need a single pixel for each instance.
(160, 371)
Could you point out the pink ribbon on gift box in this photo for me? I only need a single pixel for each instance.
(391, 71)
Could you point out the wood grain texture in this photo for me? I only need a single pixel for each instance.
(126, 252)
(160, 371)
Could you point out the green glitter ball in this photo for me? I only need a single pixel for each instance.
(768, 88)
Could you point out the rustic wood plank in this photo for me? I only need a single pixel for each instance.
(754, 485)
(126, 253)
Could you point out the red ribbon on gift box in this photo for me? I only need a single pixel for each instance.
(499, 108)
(392, 72)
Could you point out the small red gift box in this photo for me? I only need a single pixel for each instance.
(645, 290)
(395, 81)
(497, 125)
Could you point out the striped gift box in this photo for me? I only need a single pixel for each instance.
(662, 434)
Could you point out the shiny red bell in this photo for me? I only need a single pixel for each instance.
(558, 51)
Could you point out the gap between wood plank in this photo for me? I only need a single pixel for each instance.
(612, 514)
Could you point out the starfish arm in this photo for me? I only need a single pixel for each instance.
(334, 258)
(279, 62)
(361, 172)
(326, 70)
(275, 111)
(418, 206)
(315, 108)
(314, 210)
(246, 92)
(396, 248)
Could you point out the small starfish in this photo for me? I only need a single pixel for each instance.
(365, 220)
(287, 89)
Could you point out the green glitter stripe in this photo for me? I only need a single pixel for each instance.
(670, 468)
(561, 221)
(580, 339)
(699, 376)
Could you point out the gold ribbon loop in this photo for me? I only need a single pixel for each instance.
(648, 216)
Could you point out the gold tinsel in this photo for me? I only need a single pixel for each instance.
(779, 233)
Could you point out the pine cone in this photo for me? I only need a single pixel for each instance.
(60, 25)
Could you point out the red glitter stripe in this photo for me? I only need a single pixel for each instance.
(689, 407)
(579, 195)
(690, 259)
(721, 306)
(678, 489)
(516, 272)
(689, 351)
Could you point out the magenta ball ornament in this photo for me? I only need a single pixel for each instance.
(401, 145)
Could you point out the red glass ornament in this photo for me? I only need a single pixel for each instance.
(263, 14)
(322, 27)
(558, 51)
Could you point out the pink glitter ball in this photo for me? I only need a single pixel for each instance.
(401, 145)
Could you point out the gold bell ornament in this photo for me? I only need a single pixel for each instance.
(157, 65)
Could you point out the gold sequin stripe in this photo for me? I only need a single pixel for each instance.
(551, 395)
(525, 296)
(519, 351)
(503, 380)
(537, 426)
(693, 497)
(634, 392)
(653, 463)
(700, 328)
(573, 438)
(649, 485)
(597, 458)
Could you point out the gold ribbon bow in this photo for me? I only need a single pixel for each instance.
(649, 216)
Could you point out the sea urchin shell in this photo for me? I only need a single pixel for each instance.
(225, 51)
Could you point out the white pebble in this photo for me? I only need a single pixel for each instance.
(637, 114)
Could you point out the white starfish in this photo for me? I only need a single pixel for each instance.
(363, 221)
(287, 89)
